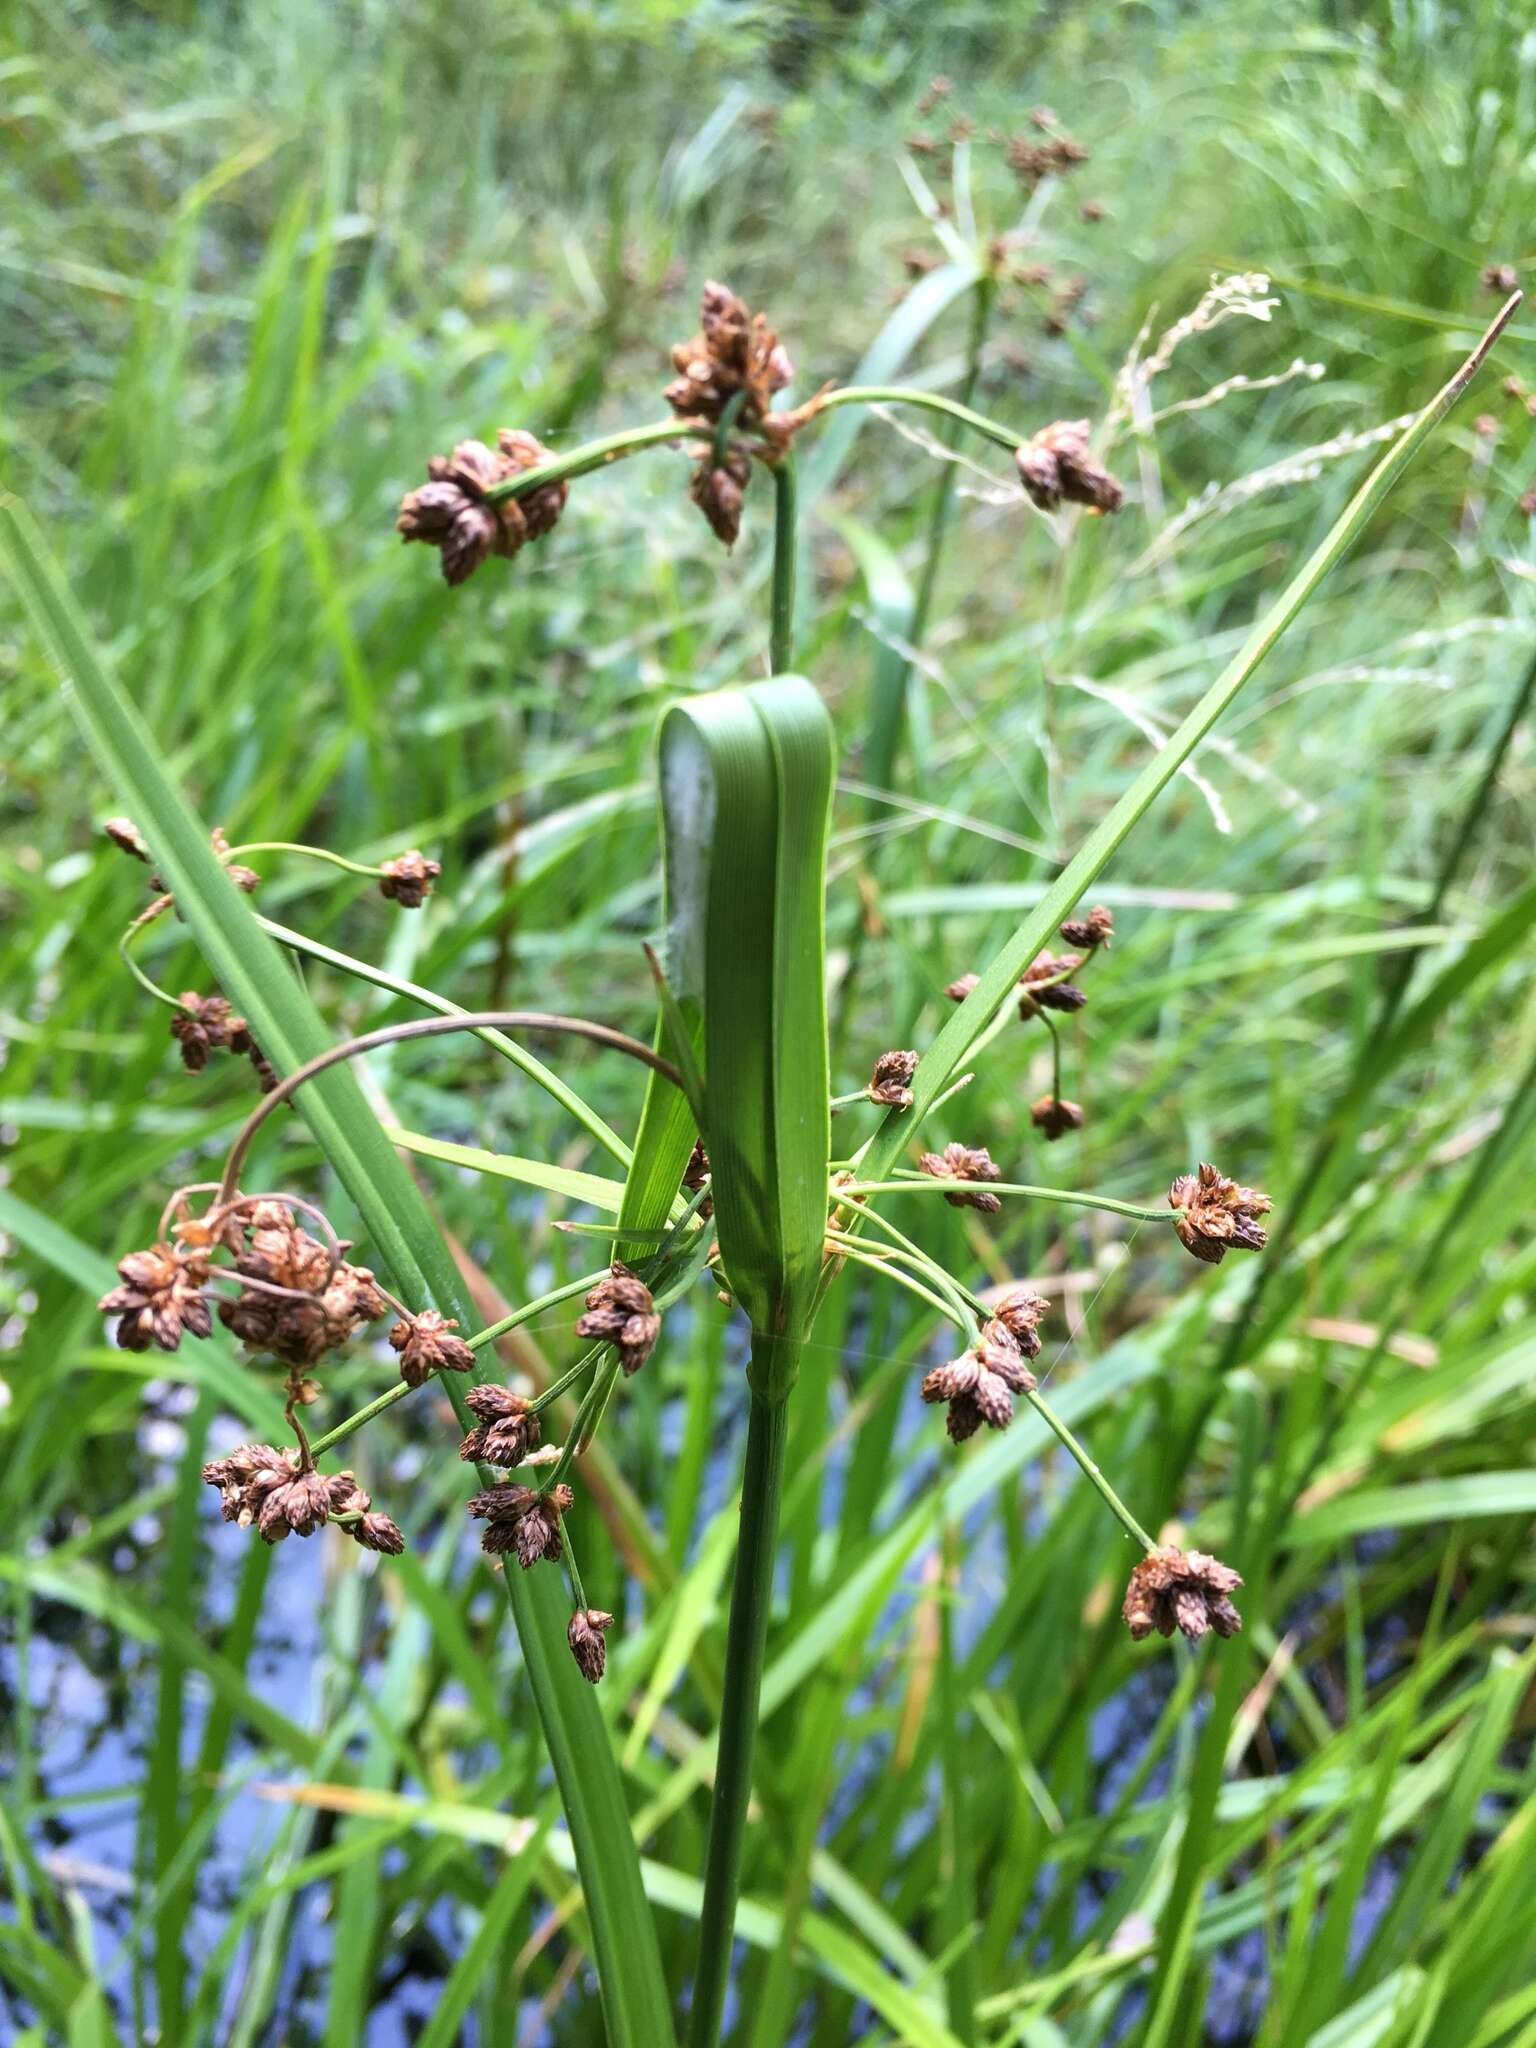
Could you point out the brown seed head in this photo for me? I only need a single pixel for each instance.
(979, 1386)
(961, 987)
(426, 1345)
(1053, 1116)
(160, 1297)
(453, 513)
(696, 1176)
(523, 1521)
(203, 1024)
(298, 1331)
(1019, 1311)
(965, 1162)
(1501, 278)
(1187, 1590)
(1091, 932)
(245, 1478)
(619, 1311)
(1057, 465)
(299, 1506)
(408, 878)
(585, 1636)
(124, 834)
(1046, 986)
(508, 1429)
(719, 489)
(1218, 1214)
(1033, 162)
(888, 1082)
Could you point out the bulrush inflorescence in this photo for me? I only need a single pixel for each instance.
(965, 1162)
(281, 1495)
(426, 1345)
(728, 375)
(522, 1521)
(979, 1386)
(1217, 1214)
(1178, 1589)
(408, 878)
(619, 1311)
(456, 513)
(1057, 466)
(888, 1084)
(506, 1427)
(1047, 984)
(588, 1626)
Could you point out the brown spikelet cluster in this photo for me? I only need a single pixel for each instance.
(961, 987)
(1178, 1589)
(1500, 278)
(979, 1386)
(426, 1345)
(506, 1427)
(282, 1496)
(966, 1163)
(204, 1024)
(455, 513)
(408, 878)
(888, 1084)
(734, 356)
(522, 1521)
(728, 375)
(161, 1296)
(1058, 154)
(588, 1626)
(1217, 1214)
(1089, 933)
(619, 1311)
(1057, 466)
(1053, 1116)
(1047, 984)
(304, 1299)
(1019, 1311)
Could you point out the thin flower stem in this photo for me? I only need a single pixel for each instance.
(432, 1027)
(578, 1590)
(955, 1290)
(593, 1402)
(566, 1379)
(631, 440)
(335, 860)
(124, 947)
(1096, 1478)
(890, 1264)
(781, 646)
(930, 401)
(921, 1183)
(1055, 1057)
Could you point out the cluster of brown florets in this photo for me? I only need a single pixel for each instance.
(281, 1494)
(1057, 466)
(464, 512)
(728, 375)
(619, 1311)
(1185, 1590)
(979, 1386)
(1049, 983)
(965, 1163)
(1215, 1214)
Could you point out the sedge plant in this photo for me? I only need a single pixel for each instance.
(733, 1178)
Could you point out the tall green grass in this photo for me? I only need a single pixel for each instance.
(251, 271)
